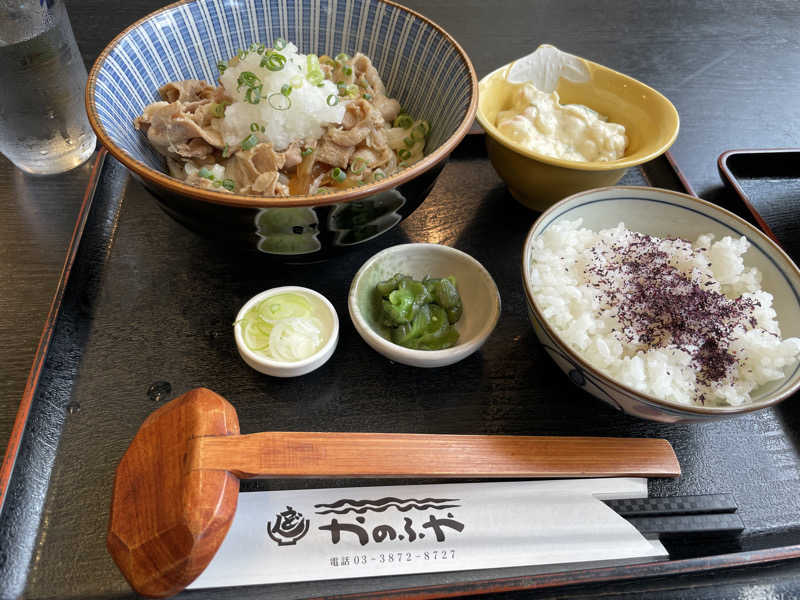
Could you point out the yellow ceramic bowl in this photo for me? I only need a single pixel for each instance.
(538, 181)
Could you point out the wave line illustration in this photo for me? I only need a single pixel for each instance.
(380, 505)
(361, 511)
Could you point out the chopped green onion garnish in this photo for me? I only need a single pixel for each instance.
(261, 48)
(221, 66)
(249, 142)
(217, 182)
(322, 190)
(273, 61)
(403, 121)
(226, 151)
(378, 175)
(205, 173)
(357, 166)
(351, 90)
(218, 110)
(247, 78)
(418, 133)
(253, 94)
(338, 175)
(342, 57)
(409, 142)
(333, 100)
(402, 165)
(228, 184)
(296, 81)
(313, 70)
(403, 154)
(263, 129)
(241, 54)
(254, 127)
(286, 89)
(307, 151)
(347, 70)
(280, 44)
(327, 60)
(367, 97)
(279, 101)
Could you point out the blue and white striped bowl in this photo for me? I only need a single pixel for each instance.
(421, 65)
(665, 213)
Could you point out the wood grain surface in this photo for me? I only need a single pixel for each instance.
(731, 69)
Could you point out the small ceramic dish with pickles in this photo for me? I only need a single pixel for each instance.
(479, 298)
(538, 180)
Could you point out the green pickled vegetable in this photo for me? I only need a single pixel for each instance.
(420, 314)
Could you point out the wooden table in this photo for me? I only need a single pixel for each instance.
(730, 68)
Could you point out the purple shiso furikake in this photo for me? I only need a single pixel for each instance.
(658, 305)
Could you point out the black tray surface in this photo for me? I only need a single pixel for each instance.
(148, 301)
(768, 183)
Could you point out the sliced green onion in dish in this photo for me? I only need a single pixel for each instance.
(357, 166)
(418, 132)
(221, 66)
(367, 96)
(403, 121)
(322, 190)
(249, 142)
(226, 151)
(283, 327)
(280, 101)
(229, 184)
(273, 61)
(218, 110)
(253, 94)
(409, 142)
(280, 44)
(205, 173)
(254, 127)
(248, 79)
(338, 175)
(333, 100)
(403, 154)
(296, 81)
(286, 89)
(378, 175)
(347, 70)
(306, 152)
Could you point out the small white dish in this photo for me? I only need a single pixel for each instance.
(278, 368)
(475, 285)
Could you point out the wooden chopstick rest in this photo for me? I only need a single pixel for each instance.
(176, 487)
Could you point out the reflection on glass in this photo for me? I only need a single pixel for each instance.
(362, 220)
(291, 230)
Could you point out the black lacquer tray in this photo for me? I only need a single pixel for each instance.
(143, 301)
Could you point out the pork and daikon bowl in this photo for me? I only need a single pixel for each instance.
(297, 131)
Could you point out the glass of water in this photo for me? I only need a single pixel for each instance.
(43, 123)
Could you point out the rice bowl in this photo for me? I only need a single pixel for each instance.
(663, 385)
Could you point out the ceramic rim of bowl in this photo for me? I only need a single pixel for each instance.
(641, 396)
(244, 201)
(273, 363)
(389, 345)
(611, 165)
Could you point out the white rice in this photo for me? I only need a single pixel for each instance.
(305, 118)
(576, 274)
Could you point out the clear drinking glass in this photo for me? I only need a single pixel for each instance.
(43, 123)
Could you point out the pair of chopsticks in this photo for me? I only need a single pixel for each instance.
(705, 515)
